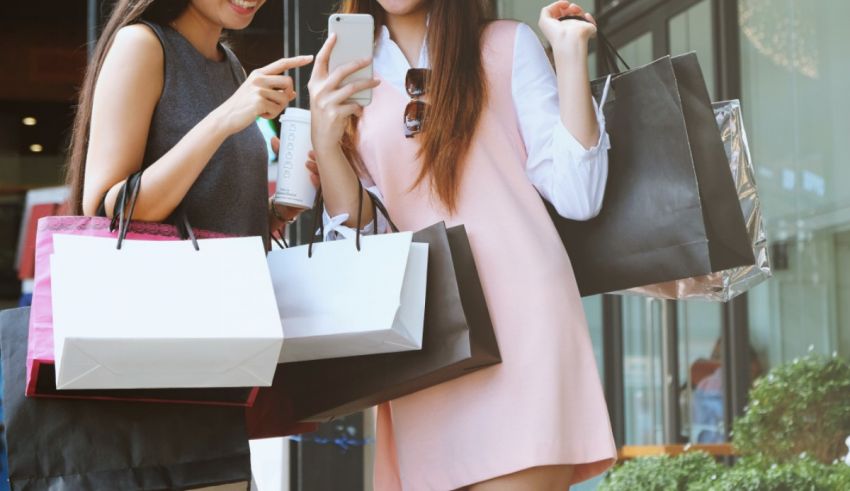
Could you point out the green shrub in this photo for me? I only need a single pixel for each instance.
(799, 407)
(758, 474)
(663, 473)
(791, 438)
(697, 471)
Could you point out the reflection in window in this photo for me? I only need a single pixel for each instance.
(795, 76)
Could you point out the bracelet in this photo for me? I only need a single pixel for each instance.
(274, 211)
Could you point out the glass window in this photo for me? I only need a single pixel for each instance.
(699, 323)
(642, 365)
(639, 51)
(701, 397)
(523, 11)
(593, 311)
(691, 31)
(591, 66)
(795, 76)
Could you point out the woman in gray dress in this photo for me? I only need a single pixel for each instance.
(163, 95)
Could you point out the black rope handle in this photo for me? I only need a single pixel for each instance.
(360, 192)
(187, 227)
(121, 220)
(132, 186)
(120, 202)
(318, 210)
(281, 242)
(610, 55)
(378, 205)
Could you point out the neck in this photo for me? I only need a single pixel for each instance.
(200, 31)
(408, 31)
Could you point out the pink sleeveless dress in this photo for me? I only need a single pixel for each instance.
(543, 405)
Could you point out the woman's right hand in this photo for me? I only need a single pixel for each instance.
(330, 104)
(265, 93)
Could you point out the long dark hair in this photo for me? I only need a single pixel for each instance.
(124, 13)
(457, 89)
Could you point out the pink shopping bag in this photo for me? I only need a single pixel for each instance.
(41, 380)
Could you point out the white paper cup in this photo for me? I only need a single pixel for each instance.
(294, 187)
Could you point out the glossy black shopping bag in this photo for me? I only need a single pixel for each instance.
(458, 339)
(671, 210)
(77, 445)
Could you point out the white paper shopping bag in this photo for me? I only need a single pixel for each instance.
(163, 315)
(344, 302)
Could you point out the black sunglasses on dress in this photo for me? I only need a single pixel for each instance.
(414, 114)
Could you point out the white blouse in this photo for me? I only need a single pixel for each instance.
(568, 175)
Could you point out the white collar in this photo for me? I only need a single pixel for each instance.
(390, 62)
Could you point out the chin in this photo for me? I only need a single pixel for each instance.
(238, 14)
(402, 7)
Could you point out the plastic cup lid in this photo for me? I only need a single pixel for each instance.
(296, 114)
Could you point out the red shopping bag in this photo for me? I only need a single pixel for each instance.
(272, 414)
(26, 268)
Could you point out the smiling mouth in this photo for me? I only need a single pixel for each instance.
(244, 6)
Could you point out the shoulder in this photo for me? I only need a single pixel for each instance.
(138, 35)
(501, 29)
(509, 36)
(134, 66)
(511, 43)
(497, 41)
(234, 61)
(139, 43)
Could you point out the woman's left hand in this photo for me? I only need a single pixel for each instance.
(289, 213)
(566, 35)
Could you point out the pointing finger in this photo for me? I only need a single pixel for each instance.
(284, 64)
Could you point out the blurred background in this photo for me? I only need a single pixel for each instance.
(674, 372)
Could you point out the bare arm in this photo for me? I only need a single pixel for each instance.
(569, 41)
(125, 97)
(330, 115)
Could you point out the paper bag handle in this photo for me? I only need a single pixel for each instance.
(377, 205)
(121, 220)
(318, 209)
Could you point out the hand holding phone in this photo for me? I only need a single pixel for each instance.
(340, 89)
(355, 37)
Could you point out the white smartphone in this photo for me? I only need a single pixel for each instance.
(355, 38)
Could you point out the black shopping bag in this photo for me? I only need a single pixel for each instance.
(671, 210)
(458, 339)
(60, 444)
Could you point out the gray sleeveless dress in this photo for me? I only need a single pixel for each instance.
(231, 194)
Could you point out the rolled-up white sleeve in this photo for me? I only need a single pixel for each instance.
(336, 230)
(572, 178)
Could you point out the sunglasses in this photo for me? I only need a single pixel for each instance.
(414, 114)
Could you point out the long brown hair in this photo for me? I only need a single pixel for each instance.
(124, 13)
(456, 91)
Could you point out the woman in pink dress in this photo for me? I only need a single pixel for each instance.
(470, 125)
